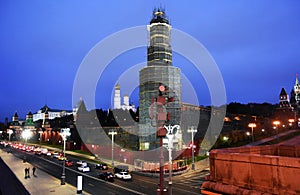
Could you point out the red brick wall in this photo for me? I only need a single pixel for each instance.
(247, 168)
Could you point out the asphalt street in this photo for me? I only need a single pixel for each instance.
(182, 184)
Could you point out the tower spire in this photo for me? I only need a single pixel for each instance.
(297, 90)
(284, 99)
(117, 97)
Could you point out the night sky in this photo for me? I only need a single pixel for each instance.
(255, 44)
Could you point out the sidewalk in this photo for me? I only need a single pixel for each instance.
(42, 183)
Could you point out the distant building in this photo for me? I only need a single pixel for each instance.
(117, 100)
(117, 97)
(285, 111)
(52, 113)
(297, 90)
(295, 96)
(15, 123)
(284, 101)
(29, 124)
(46, 121)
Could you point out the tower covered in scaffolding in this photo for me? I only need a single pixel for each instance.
(157, 75)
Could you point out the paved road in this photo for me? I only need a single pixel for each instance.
(91, 184)
(139, 185)
(193, 179)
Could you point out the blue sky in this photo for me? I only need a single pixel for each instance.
(255, 44)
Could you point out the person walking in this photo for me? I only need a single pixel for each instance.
(33, 171)
(28, 172)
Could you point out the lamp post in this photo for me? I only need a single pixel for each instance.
(192, 130)
(112, 133)
(26, 135)
(40, 132)
(64, 132)
(170, 135)
(9, 133)
(276, 123)
(252, 125)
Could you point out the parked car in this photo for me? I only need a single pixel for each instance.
(121, 168)
(123, 175)
(69, 163)
(84, 168)
(107, 176)
(101, 166)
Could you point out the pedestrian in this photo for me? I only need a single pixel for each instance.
(28, 172)
(33, 171)
(25, 173)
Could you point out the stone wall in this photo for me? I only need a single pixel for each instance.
(255, 170)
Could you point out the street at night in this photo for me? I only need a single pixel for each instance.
(182, 184)
(150, 97)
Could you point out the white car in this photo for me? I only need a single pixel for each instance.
(84, 168)
(123, 175)
(81, 163)
(55, 154)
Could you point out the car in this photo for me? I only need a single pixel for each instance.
(62, 158)
(101, 166)
(69, 163)
(123, 175)
(38, 153)
(44, 150)
(121, 168)
(81, 163)
(107, 176)
(56, 154)
(83, 168)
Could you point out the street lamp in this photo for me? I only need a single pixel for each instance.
(192, 130)
(112, 133)
(252, 125)
(225, 138)
(170, 135)
(276, 123)
(26, 134)
(40, 132)
(64, 133)
(9, 133)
